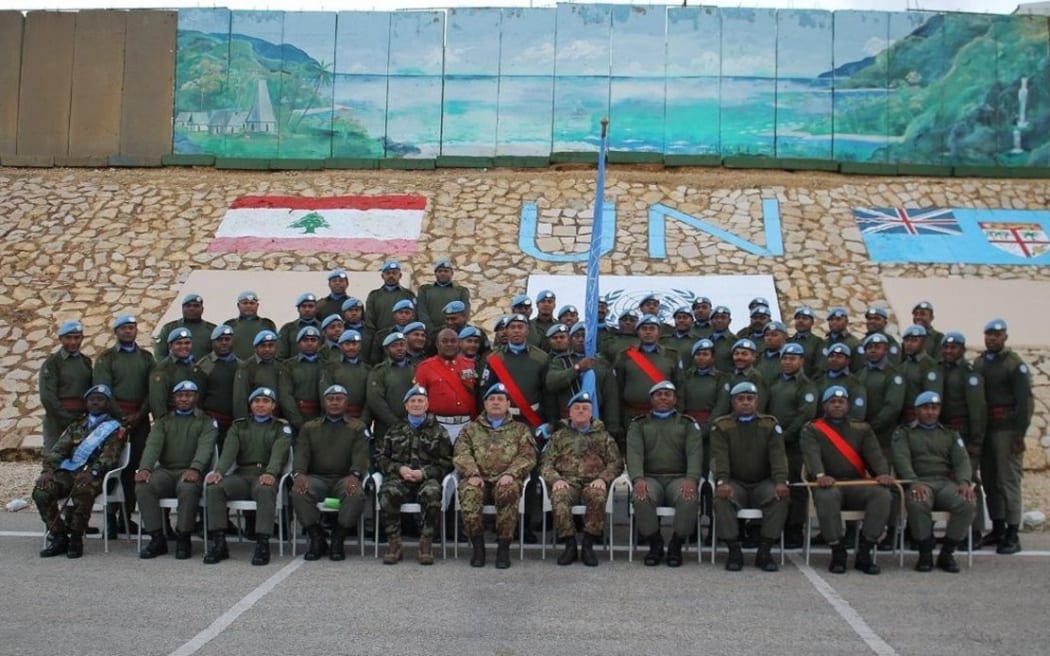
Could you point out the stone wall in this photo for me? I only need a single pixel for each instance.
(94, 243)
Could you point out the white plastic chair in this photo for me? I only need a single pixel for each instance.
(102, 501)
(662, 512)
(847, 516)
(411, 509)
(240, 506)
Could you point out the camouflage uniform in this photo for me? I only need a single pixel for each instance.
(427, 448)
(578, 459)
(488, 452)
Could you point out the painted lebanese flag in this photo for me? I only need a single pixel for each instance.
(362, 224)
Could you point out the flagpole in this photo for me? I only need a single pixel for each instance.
(593, 270)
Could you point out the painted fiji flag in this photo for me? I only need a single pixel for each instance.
(361, 224)
(907, 221)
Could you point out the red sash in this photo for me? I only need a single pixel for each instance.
(842, 446)
(516, 395)
(647, 367)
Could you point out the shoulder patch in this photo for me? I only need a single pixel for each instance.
(974, 381)
(778, 429)
(960, 443)
(287, 430)
(931, 376)
(859, 402)
(215, 424)
(809, 397)
(1023, 368)
(894, 350)
(726, 387)
(897, 380)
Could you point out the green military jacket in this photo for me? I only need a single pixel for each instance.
(616, 343)
(328, 305)
(724, 404)
(768, 366)
(387, 384)
(564, 382)
(354, 377)
(893, 350)
(251, 443)
(332, 447)
(579, 458)
(858, 394)
(635, 383)
(299, 383)
(921, 374)
(166, 373)
(933, 342)
(181, 442)
(847, 338)
(252, 374)
(884, 388)
(200, 330)
(793, 401)
(379, 313)
(822, 457)
(699, 394)
(488, 452)
(287, 342)
(963, 404)
(1008, 385)
(125, 372)
(930, 454)
(681, 344)
(102, 460)
(219, 376)
(813, 347)
(723, 349)
(64, 377)
(432, 298)
(748, 451)
(528, 370)
(427, 448)
(244, 331)
(671, 446)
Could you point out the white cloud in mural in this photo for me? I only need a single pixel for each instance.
(875, 45)
(541, 52)
(582, 49)
(704, 63)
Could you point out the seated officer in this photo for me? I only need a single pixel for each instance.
(178, 450)
(664, 451)
(749, 462)
(836, 448)
(579, 463)
(256, 448)
(331, 460)
(935, 459)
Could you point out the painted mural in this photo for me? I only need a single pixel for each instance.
(864, 86)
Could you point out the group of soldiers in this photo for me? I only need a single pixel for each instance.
(403, 384)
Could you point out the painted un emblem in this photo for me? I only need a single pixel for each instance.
(621, 302)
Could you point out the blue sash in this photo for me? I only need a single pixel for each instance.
(90, 444)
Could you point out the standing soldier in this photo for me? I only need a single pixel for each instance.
(176, 367)
(811, 344)
(287, 338)
(493, 455)
(568, 315)
(219, 369)
(837, 448)
(565, 380)
(1008, 386)
(351, 372)
(922, 314)
(331, 460)
(193, 321)
(884, 390)
(838, 373)
(544, 319)
(387, 384)
(521, 304)
(73, 468)
(625, 336)
(757, 329)
(750, 470)
(743, 370)
(875, 321)
(702, 316)
(354, 319)
(247, 324)
(260, 370)
(663, 461)
(379, 306)
(579, 464)
(332, 328)
(416, 347)
(838, 333)
(470, 347)
(456, 318)
(934, 459)
(64, 377)
(605, 331)
(414, 457)
(450, 381)
(919, 370)
(640, 367)
(723, 337)
(404, 313)
(682, 337)
(774, 337)
(124, 368)
(299, 380)
(178, 452)
(434, 297)
(702, 384)
(332, 302)
(258, 447)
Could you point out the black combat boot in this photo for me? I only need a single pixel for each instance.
(217, 549)
(674, 551)
(587, 551)
(1011, 543)
(656, 549)
(318, 546)
(338, 547)
(735, 561)
(249, 525)
(57, 544)
(158, 545)
(864, 561)
(477, 557)
(996, 536)
(793, 537)
(76, 545)
(925, 563)
(113, 526)
(764, 558)
(975, 538)
(502, 554)
(261, 556)
(890, 541)
(946, 559)
(568, 557)
(183, 546)
(838, 559)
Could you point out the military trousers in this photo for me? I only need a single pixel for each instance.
(473, 498)
(243, 485)
(799, 497)
(666, 491)
(593, 499)
(1001, 471)
(52, 430)
(81, 499)
(829, 502)
(945, 497)
(319, 488)
(137, 439)
(396, 491)
(760, 495)
(163, 484)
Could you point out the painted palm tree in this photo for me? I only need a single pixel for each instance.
(320, 74)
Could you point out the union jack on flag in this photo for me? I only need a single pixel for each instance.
(907, 221)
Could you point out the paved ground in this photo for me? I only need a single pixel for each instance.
(118, 604)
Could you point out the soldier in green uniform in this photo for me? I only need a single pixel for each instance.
(74, 467)
(193, 321)
(664, 452)
(837, 449)
(812, 344)
(64, 377)
(875, 321)
(681, 338)
(331, 460)
(250, 466)
(219, 369)
(416, 342)
(470, 347)
(1008, 386)
(922, 314)
(964, 408)
(723, 337)
(354, 319)
(750, 469)
(299, 380)
(920, 371)
(332, 302)
(579, 464)
(379, 306)
(756, 330)
(247, 324)
(351, 372)
(125, 368)
(455, 314)
(492, 456)
(625, 336)
(934, 459)
(414, 457)
(176, 367)
(640, 367)
(499, 333)
(702, 316)
(838, 373)
(404, 313)
(568, 315)
(743, 370)
(178, 451)
(605, 331)
(521, 304)
(287, 342)
(260, 370)
(433, 297)
(387, 384)
(838, 333)
(565, 380)
(332, 328)
(774, 337)
(701, 387)
(544, 319)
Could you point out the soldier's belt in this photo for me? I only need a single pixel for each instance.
(908, 414)
(309, 407)
(73, 403)
(452, 419)
(954, 422)
(220, 418)
(355, 410)
(256, 465)
(701, 416)
(129, 407)
(1000, 411)
(640, 408)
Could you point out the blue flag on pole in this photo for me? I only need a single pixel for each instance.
(593, 270)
